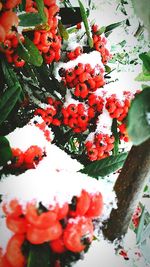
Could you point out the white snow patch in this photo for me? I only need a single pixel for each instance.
(92, 58)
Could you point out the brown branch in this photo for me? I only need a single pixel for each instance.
(128, 188)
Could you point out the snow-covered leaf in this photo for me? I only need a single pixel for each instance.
(103, 167)
(5, 151)
(29, 52)
(144, 246)
(140, 227)
(138, 125)
(86, 24)
(29, 19)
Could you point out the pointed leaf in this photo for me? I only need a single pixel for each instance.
(63, 32)
(5, 151)
(9, 74)
(86, 24)
(116, 135)
(39, 256)
(138, 119)
(40, 7)
(29, 19)
(29, 52)
(111, 27)
(103, 167)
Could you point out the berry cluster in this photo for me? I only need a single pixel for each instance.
(96, 104)
(123, 135)
(99, 44)
(76, 117)
(48, 41)
(100, 147)
(116, 108)
(26, 160)
(9, 38)
(50, 115)
(83, 79)
(71, 55)
(65, 228)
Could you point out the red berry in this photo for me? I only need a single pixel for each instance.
(78, 234)
(17, 158)
(13, 251)
(96, 206)
(32, 156)
(81, 205)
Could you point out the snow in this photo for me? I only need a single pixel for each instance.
(93, 58)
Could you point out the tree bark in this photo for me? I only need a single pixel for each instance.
(128, 188)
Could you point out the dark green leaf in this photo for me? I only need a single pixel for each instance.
(115, 134)
(9, 74)
(138, 121)
(63, 32)
(40, 7)
(29, 19)
(107, 69)
(39, 256)
(29, 52)
(101, 30)
(5, 151)
(111, 27)
(8, 101)
(140, 227)
(101, 168)
(86, 24)
(22, 5)
(145, 57)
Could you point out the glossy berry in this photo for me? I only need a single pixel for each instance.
(80, 205)
(13, 251)
(96, 206)
(32, 157)
(39, 236)
(17, 158)
(78, 234)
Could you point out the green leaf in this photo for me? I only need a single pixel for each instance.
(140, 226)
(9, 74)
(115, 134)
(142, 77)
(101, 30)
(29, 19)
(8, 101)
(86, 24)
(63, 32)
(29, 52)
(138, 122)
(145, 57)
(40, 7)
(103, 167)
(111, 27)
(5, 151)
(39, 256)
